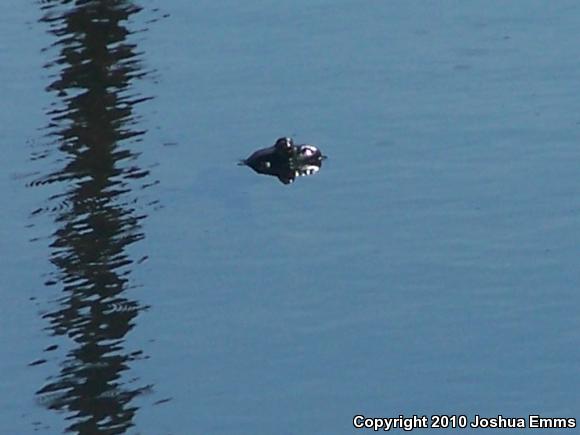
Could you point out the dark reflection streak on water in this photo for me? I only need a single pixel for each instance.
(90, 136)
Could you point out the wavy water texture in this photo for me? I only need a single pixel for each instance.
(92, 141)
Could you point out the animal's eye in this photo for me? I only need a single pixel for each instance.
(284, 143)
(308, 151)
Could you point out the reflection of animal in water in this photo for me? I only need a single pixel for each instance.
(286, 160)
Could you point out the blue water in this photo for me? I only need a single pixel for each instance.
(151, 286)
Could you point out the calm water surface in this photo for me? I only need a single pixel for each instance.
(151, 286)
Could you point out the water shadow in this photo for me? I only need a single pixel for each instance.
(97, 211)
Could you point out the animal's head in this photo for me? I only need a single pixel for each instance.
(308, 154)
(286, 160)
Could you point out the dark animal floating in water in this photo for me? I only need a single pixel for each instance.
(286, 160)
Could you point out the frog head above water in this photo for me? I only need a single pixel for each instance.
(286, 160)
